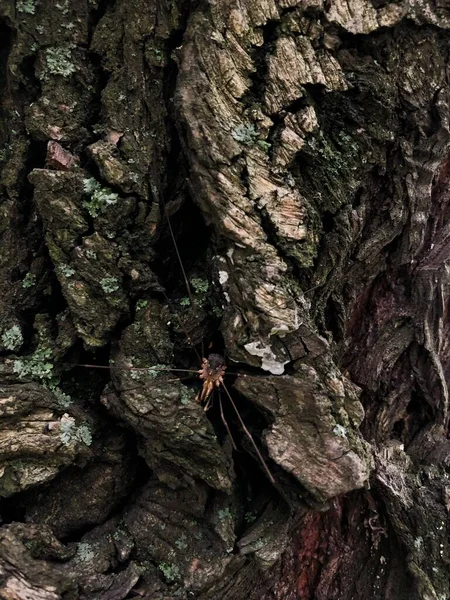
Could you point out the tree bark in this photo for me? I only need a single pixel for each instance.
(295, 154)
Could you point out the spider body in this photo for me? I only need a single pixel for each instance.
(212, 372)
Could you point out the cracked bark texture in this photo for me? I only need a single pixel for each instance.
(301, 151)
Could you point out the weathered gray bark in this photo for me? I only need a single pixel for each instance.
(301, 150)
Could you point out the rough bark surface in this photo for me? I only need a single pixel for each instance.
(299, 153)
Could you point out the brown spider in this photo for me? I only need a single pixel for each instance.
(212, 372)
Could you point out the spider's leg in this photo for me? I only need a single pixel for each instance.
(249, 435)
(224, 421)
(208, 403)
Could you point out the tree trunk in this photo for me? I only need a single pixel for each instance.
(295, 155)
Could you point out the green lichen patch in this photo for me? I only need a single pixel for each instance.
(26, 6)
(65, 270)
(64, 400)
(109, 284)
(246, 134)
(185, 395)
(224, 514)
(12, 338)
(38, 365)
(29, 280)
(170, 571)
(69, 432)
(201, 286)
(181, 543)
(250, 517)
(340, 431)
(141, 304)
(100, 198)
(59, 61)
(85, 552)
(63, 6)
(155, 370)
